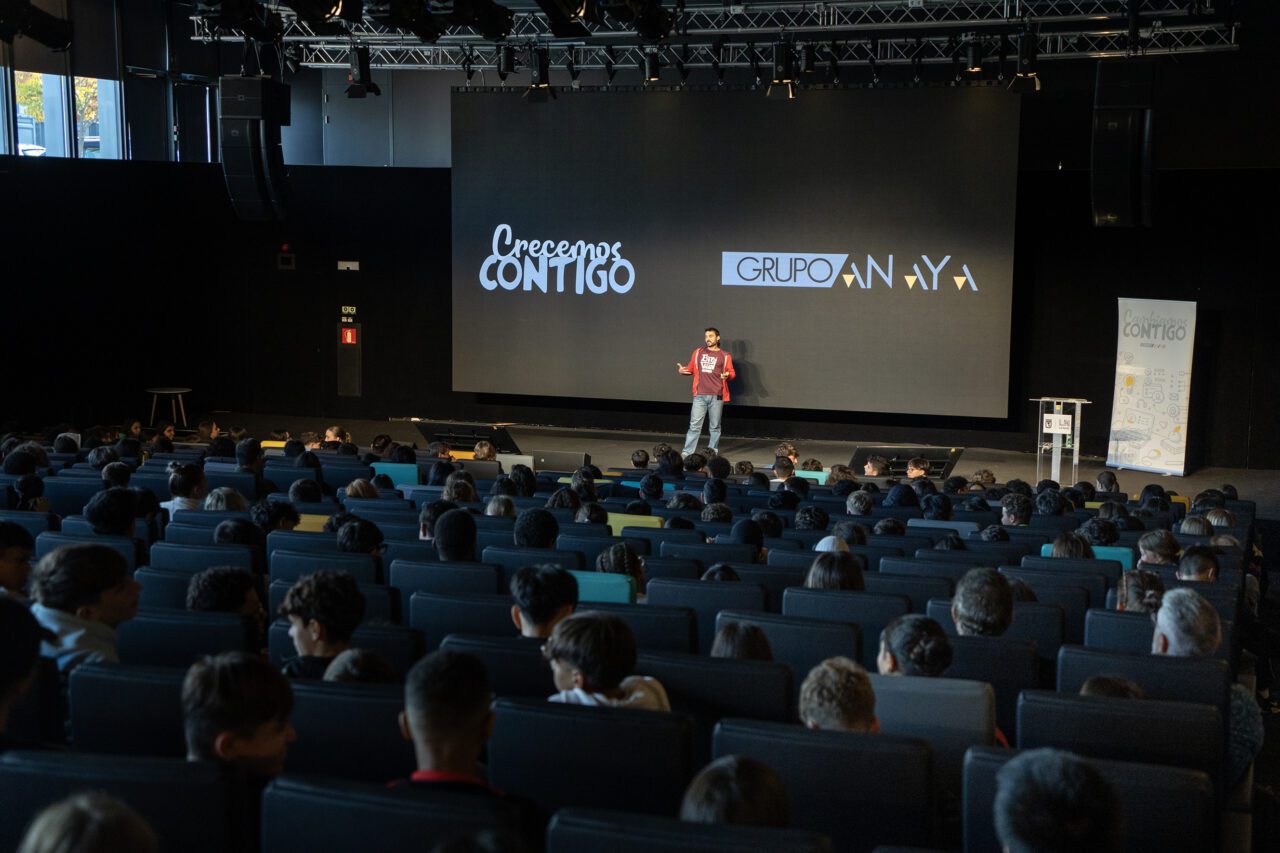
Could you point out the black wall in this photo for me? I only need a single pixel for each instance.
(124, 275)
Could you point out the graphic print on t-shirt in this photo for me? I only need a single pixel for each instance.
(709, 362)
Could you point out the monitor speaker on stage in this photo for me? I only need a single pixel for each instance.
(463, 435)
(251, 111)
(559, 460)
(942, 460)
(1122, 163)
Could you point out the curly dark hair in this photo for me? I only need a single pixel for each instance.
(331, 598)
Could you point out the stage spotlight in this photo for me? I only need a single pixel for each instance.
(245, 16)
(539, 77)
(782, 85)
(609, 61)
(647, 17)
(359, 77)
(1025, 79)
(755, 65)
(651, 66)
(468, 68)
(21, 17)
(1133, 9)
(292, 58)
(681, 67)
(506, 61)
(411, 16)
(808, 60)
(565, 17)
(573, 69)
(973, 55)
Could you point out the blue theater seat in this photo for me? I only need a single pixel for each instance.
(291, 565)
(706, 599)
(801, 644)
(437, 616)
(197, 558)
(592, 831)
(656, 628)
(349, 730)
(1009, 666)
(127, 709)
(869, 611)
(180, 637)
(515, 664)
(918, 589)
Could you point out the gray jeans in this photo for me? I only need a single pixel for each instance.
(704, 404)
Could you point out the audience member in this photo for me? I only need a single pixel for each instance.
(837, 696)
(226, 589)
(427, 518)
(1139, 591)
(1050, 800)
(89, 822)
(359, 536)
(83, 593)
(225, 499)
(536, 528)
(543, 596)
(236, 711)
(1111, 687)
(20, 640)
(741, 641)
(592, 657)
(736, 790)
(324, 609)
(1198, 563)
(622, 559)
(1071, 546)
(837, 570)
(914, 645)
(983, 604)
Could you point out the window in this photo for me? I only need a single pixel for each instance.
(4, 105)
(98, 133)
(41, 105)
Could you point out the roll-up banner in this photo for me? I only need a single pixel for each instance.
(1153, 385)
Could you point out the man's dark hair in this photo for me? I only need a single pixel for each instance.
(334, 523)
(72, 576)
(799, 485)
(221, 447)
(671, 463)
(685, 501)
(454, 536)
(1100, 531)
(504, 486)
(843, 488)
(954, 485)
(184, 479)
(994, 533)
(784, 499)
(850, 531)
(239, 531)
(14, 535)
(101, 457)
(918, 645)
(783, 468)
(447, 696)
(770, 523)
(901, 495)
(219, 590)
(19, 463)
(536, 528)
(1198, 561)
(564, 498)
(651, 487)
(1019, 487)
(359, 536)
(233, 692)
(268, 514)
(542, 591)
(111, 512)
(1050, 502)
(432, 512)
(717, 512)
(293, 447)
(1017, 507)
(811, 518)
(695, 462)
(599, 645)
(879, 466)
(640, 459)
(306, 491)
(1048, 799)
(936, 507)
(116, 475)
(248, 452)
(437, 450)
(639, 507)
(889, 527)
(737, 790)
(65, 444)
(719, 467)
(711, 329)
(1047, 484)
(714, 491)
(331, 598)
(983, 603)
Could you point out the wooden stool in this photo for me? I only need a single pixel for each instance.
(175, 402)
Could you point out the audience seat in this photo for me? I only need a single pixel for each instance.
(349, 730)
(869, 611)
(861, 790)
(243, 482)
(794, 560)
(1074, 602)
(516, 665)
(437, 616)
(709, 554)
(127, 546)
(671, 567)
(127, 710)
(605, 587)
(381, 603)
(592, 831)
(706, 599)
(568, 755)
(292, 565)
(1110, 569)
(950, 714)
(443, 579)
(293, 540)
(1009, 666)
(911, 567)
(68, 495)
(416, 551)
(1093, 583)
(801, 644)
(205, 517)
(34, 523)
(1152, 731)
(1119, 631)
(1177, 679)
(591, 546)
(185, 803)
(657, 535)
(657, 629)
(513, 558)
(918, 589)
(1042, 624)
(196, 558)
(187, 534)
(774, 579)
(314, 813)
(162, 589)
(180, 637)
(1164, 809)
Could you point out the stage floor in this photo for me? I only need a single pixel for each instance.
(614, 447)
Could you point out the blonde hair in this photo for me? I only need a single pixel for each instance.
(484, 451)
(225, 498)
(361, 488)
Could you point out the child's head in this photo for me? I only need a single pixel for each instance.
(324, 609)
(91, 582)
(591, 650)
(16, 548)
(446, 706)
(622, 559)
(837, 695)
(111, 512)
(914, 644)
(741, 641)
(736, 790)
(89, 822)
(236, 710)
(544, 595)
(360, 536)
(225, 589)
(455, 536)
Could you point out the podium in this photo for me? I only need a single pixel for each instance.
(1059, 429)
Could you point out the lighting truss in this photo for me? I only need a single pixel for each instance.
(897, 32)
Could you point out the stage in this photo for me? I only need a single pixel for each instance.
(613, 448)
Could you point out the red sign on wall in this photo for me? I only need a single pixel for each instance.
(348, 335)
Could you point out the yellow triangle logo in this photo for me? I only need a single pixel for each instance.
(848, 280)
(960, 280)
(911, 281)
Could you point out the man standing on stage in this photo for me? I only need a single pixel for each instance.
(711, 368)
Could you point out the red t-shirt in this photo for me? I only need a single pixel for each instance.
(707, 367)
